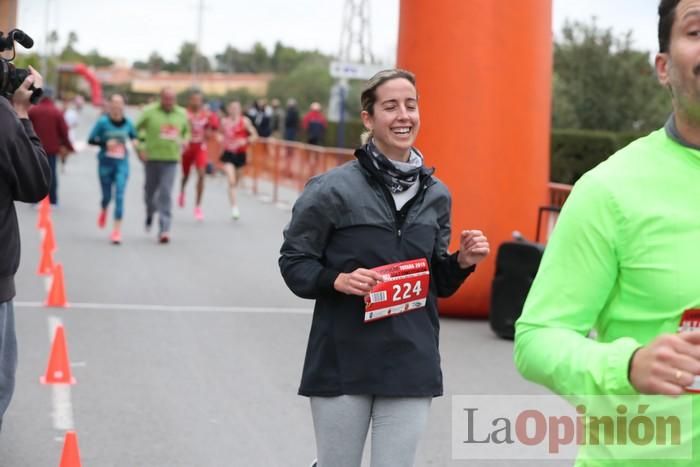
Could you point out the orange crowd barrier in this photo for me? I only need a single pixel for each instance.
(558, 193)
(275, 165)
(279, 169)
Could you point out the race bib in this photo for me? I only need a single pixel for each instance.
(690, 321)
(115, 150)
(404, 288)
(235, 144)
(169, 132)
(198, 126)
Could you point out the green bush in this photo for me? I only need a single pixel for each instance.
(575, 152)
(626, 137)
(353, 132)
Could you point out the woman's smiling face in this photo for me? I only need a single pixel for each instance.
(395, 120)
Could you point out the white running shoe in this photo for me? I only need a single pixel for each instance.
(235, 213)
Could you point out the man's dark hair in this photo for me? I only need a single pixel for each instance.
(667, 15)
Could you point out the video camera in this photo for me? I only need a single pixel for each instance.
(11, 77)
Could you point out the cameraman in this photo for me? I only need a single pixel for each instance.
(24, 176)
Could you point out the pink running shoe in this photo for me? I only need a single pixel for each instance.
(181, 199)
(116, 237)
(198, 214)
(102, 219)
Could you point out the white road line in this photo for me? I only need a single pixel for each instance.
(62, 407)
(174, 308)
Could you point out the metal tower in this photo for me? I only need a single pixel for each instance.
(355, 36)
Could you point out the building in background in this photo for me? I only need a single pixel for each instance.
(210, 83)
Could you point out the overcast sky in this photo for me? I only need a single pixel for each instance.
(132, 29)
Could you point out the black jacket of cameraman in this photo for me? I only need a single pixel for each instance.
(24, 176)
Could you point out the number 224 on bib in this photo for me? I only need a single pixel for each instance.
(404, 287)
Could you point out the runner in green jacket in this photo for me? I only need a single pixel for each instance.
(624, 259)
(163, 128)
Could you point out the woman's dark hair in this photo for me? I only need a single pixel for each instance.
(667, 15)
(369, 92)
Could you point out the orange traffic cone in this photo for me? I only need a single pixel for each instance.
(46, 262)
(44, 212)
(71, 455)
(48, 243)
(58, 371)
(57, 293)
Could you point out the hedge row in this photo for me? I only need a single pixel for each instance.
(574, 152)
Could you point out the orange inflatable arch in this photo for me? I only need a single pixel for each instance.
(483, 72)
(89, 76)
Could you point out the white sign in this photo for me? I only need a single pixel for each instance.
(356, 70)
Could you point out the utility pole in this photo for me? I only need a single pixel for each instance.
(45, 54)
(356, 48)
(198, 40)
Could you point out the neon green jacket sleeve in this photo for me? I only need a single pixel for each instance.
(623, 261)
(575, 281)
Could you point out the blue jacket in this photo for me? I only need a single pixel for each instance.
(107, 129)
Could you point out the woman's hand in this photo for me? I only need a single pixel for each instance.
(473, 248)
(359, 282)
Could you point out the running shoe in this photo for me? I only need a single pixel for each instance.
(116, 237)
(235, 213)
(314, 463)
(102, 219)
(164, 237)
(198, 214)
(181, 199)
(149, 223)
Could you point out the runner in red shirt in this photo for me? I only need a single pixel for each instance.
(238, 131)
(202, 122)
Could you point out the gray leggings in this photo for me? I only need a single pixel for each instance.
(341, 425)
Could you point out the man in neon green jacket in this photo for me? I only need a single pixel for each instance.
(163, 128)
(624, 258)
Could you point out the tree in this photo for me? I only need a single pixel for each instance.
(155, 62)
(93, 58)
(186, 56)
(260, 61)
(284, 59)
(602, 83)
(232, 60)
(310, 81)
(52, 41)
(69, 53)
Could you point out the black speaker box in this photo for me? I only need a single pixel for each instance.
(516, 266)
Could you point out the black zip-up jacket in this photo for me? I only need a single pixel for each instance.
(346, 219)
(24, 176)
